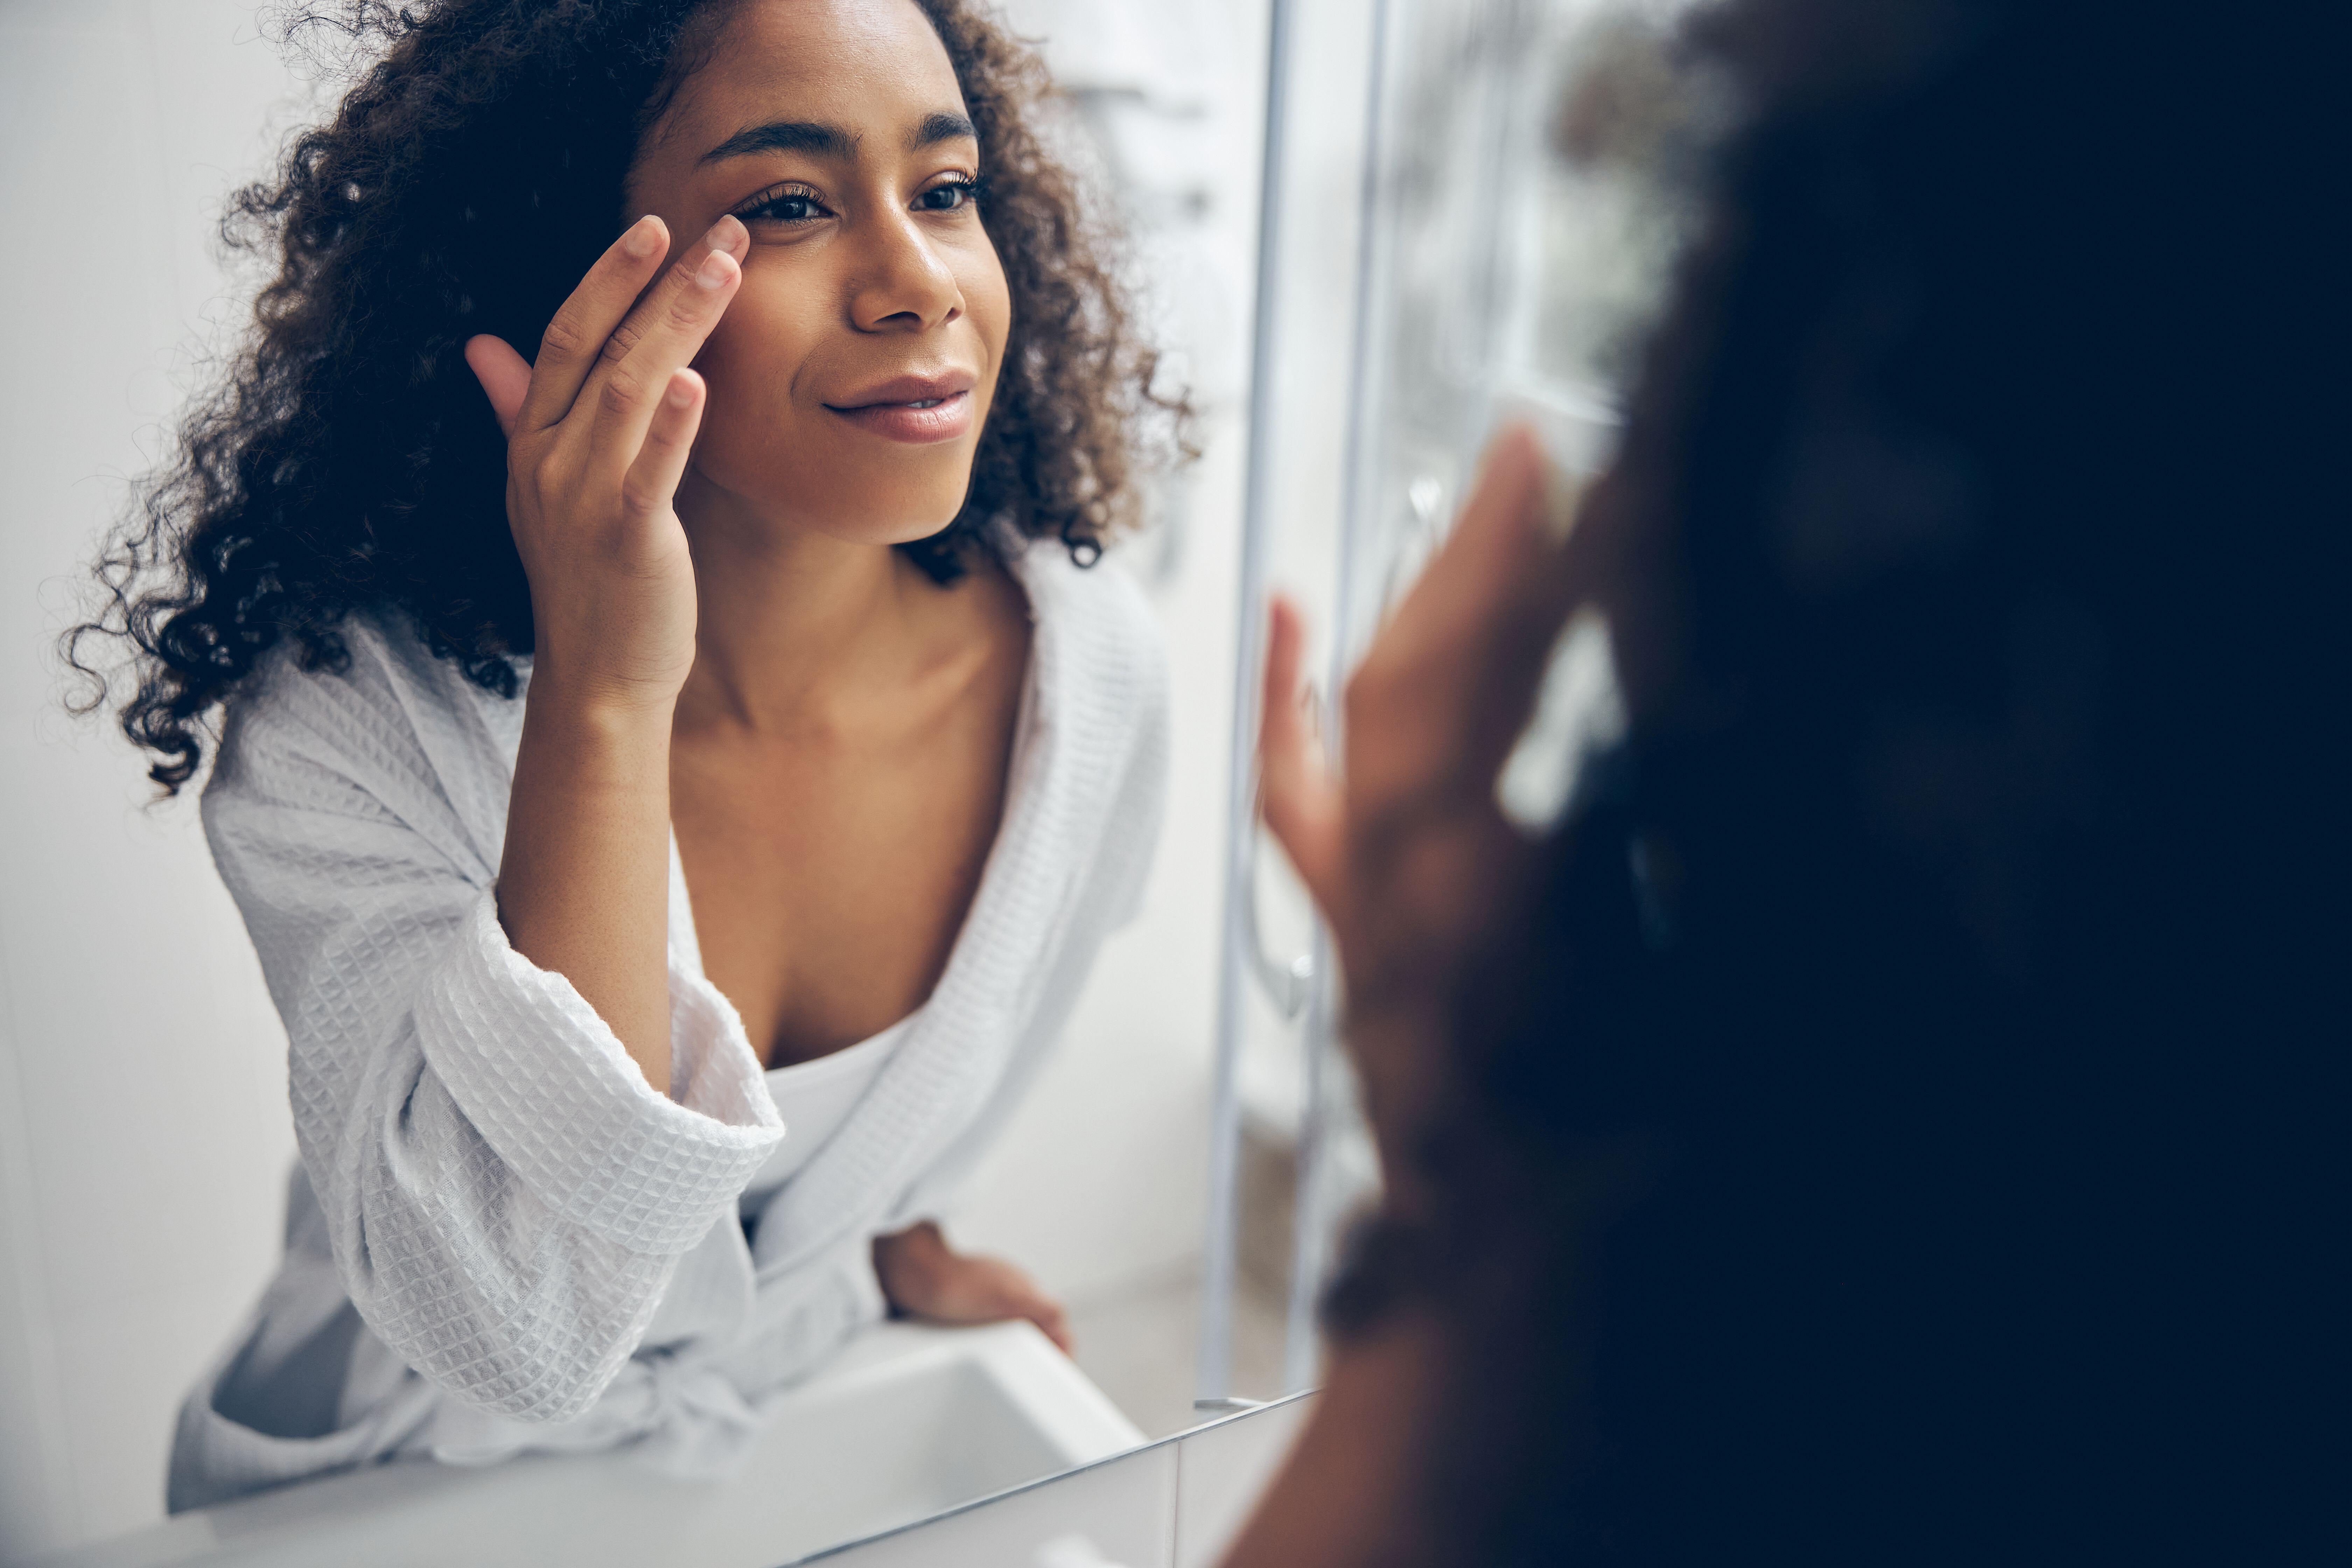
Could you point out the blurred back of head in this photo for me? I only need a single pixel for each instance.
(1900, 1134)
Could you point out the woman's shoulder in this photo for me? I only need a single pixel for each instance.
(375, 703)
(1105, 646)
(1103, 691)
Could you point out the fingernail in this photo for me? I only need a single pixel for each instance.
(724, 234)
(642, 236)
(682, 392)
(713, 272)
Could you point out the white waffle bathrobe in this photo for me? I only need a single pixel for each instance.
(499, 1237)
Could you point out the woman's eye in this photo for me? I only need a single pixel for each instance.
(783, 206)
(946, 198)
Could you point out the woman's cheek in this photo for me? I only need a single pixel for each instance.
(749, 364)
(991, 301)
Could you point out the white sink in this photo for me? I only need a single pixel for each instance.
(905, 1422)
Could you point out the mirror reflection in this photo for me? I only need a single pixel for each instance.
(613, 590)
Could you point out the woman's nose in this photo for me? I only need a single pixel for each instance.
(902, 283)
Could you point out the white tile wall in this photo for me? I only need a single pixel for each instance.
(141, 1094)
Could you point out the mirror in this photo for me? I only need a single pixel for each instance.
(1151, 1128)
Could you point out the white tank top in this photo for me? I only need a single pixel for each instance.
(814, 1098)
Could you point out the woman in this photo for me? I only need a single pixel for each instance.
(1887, 1122)
(669, 883)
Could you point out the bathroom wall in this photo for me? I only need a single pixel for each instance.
(143, 1134)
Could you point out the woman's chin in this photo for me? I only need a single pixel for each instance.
(893, 519)
(862, 528)
(878, 515)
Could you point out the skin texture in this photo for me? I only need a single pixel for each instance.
(726, 645)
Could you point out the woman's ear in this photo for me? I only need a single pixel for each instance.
(504, 376)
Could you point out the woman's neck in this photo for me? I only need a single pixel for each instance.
(793, 626)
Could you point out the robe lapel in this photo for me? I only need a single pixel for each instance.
(960, 1043)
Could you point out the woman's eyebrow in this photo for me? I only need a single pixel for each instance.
(940, 126)
(828, 140)
(785, 136)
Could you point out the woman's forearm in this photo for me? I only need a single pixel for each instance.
(598, 429)
(583, 886)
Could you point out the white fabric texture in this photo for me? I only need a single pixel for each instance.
(500, 1239)
(813, 1099)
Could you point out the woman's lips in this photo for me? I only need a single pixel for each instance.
(914, 410)
(932, 419)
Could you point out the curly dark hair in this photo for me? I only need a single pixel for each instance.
(470, 176)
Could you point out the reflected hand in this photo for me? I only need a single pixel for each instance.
(926, 1278)
(1405, 850)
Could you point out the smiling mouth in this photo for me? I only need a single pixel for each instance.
(920, 421)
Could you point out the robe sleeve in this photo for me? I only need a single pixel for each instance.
(506, 1197)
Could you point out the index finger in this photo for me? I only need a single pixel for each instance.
(1501, 556)
(659, 336)
(1459, 664)
(569, 349)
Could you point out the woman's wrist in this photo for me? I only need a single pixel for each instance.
(577, 692)
(922, 1277)
(600, 740)
(583, 877)
(907, 1263)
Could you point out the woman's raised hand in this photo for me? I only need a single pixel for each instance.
(597, 437)
(598, 431)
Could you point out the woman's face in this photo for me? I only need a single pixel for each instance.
(851, 376)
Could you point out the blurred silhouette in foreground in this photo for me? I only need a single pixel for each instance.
(1891, 1119)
